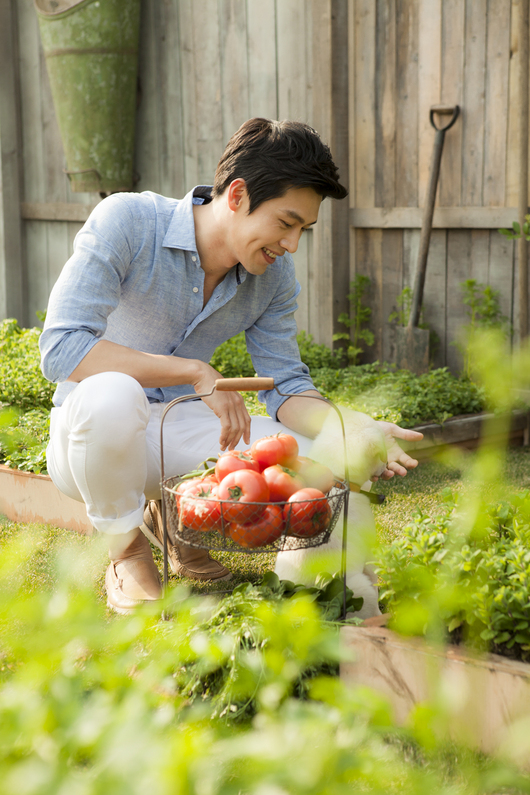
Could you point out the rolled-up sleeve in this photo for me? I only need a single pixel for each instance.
(272, 345)
(88, 289)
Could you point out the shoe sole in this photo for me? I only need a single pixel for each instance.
(154, 540)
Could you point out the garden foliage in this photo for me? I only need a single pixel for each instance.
(475, 584)
(92, 704)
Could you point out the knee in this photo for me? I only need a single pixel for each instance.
(112, 404)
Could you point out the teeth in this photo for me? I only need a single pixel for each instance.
(269, 253)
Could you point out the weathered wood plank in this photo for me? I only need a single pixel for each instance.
(261, 58)
(55, 211)
(392, 270)
(429, 85)
(234, 65)
(458, 257)
(453, 16)
(148, 157)
(292, 59)
(407, 103)
(444, 217)
(480, 255)
(189, 108)
(208, 91)
(385, 104)
(497, 72)
(512, 153)
(35, 234)
(369, 263)
(501, 271)
(435, 296)
(473, 102)
(12, 281)
(364, 134)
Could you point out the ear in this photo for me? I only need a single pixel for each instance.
(236, 195)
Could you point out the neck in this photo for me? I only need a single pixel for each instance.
(212, 245)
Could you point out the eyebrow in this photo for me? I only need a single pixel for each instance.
(298, 218)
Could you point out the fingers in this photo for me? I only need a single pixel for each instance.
(235, 421)
(405, 433)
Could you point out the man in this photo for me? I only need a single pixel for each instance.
(153, 287)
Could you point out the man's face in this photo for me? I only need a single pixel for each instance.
(273, 228)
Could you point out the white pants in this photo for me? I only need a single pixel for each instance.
(104, 447)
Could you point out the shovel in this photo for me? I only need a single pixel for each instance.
(412, 343)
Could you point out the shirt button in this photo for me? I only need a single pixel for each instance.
(195, 289)
(194, 259)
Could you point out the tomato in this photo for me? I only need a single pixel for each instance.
(243, 489)
(190, 483)
(232, 461)
(308, 512)
(314, 475)
(263, 531)
(282, 482)
(290, 446)
(199, 508)
(270, 450)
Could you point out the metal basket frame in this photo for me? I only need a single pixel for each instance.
(255, 384)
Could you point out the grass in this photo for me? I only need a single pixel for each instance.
(420, 489)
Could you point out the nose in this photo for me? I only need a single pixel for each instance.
(290, 240)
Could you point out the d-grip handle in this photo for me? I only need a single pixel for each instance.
(243, 384)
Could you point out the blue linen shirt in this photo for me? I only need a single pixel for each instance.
(135, 278)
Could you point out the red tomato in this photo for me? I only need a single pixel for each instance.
(243, 489)
(199, 508)
(314, 475)
(282, 482)
(263, 531)
(279, 449)
(308, 512)
(190, 483)
(290, 446)
(232, 461)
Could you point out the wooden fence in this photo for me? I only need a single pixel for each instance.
(364, 73)
(405, 57)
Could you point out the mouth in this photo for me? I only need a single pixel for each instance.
(270, 256)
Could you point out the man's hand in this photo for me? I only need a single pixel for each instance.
(398, 460)
(228, 406)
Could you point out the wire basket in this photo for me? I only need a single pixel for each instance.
(224, 537)
(255, 534)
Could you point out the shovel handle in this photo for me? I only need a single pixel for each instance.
(243, 384)
(444, 110)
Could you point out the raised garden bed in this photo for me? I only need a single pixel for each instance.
(466, 431)
(26, 497)
(485, 696)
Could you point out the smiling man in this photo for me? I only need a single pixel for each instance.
(153, 287)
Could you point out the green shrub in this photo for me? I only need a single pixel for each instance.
(23, 440)
(232, 360)
(476, 583)
(22, 383)
(400, 396)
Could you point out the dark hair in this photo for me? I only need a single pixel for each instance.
(274, 156)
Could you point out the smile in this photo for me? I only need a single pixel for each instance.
(270, 253)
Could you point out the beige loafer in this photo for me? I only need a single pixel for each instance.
(196, 564)
(133, 578)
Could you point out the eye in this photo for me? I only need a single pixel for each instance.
(286, 225)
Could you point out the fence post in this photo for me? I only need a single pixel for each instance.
(12, 265)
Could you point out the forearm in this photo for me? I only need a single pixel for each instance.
(150, 370)
(302, 415)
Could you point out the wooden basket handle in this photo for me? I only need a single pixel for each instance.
(243, 384)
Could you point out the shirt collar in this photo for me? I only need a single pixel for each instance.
(181, 229)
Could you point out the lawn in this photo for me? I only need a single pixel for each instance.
(422, 489)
